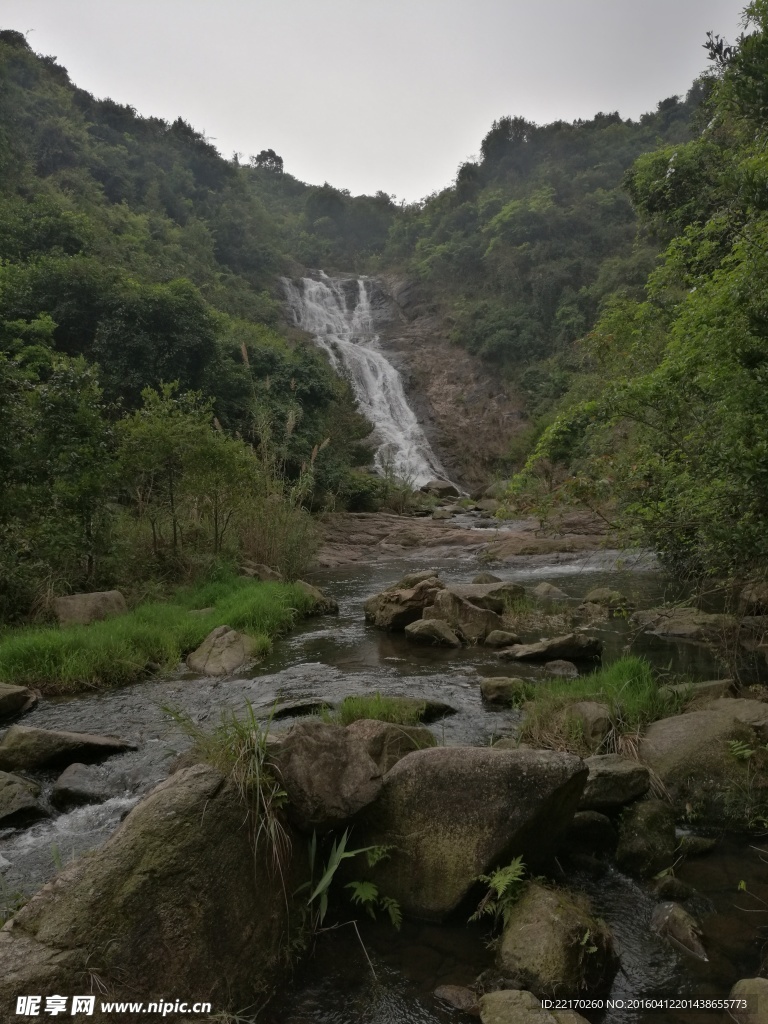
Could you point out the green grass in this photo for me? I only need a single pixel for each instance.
(628, 687)
(397, 710)
(116, 651)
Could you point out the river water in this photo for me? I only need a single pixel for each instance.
(323, 661)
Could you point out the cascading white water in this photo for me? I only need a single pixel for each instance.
(348, 336)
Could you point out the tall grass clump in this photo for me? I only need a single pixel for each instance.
(118, 651)
(627, 687)
(397, 710)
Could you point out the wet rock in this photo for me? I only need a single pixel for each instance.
(485, 578)
(552, 943)
(442, 514)
(696, 846)
(259, 571)
(561, 669)
(573, 646)
(468, 620)
(753, 599)
(548, 592)
(15, 700)
(322, 603)
(501, 638)
(459, 997)
(496, 597)
(19, 803)
(685, 623)
(514, 1006)
(82, 609)
(327, 772)
(456, 812)
(606, 597)
(647, 840)
(592, 719)
(672, 922)
(84, 784)
(667, 887)
(711, 689)
(613, 781)
(591, 832)
(504, 690)
(442, 488)
(222, 651)
(131, 901)
(412, 579)
(387, 743)
(397, 608)
(755, 992)
(432, 631)
(23, 748)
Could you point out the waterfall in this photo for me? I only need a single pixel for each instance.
(321, 307)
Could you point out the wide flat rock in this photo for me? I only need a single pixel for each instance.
(25, 748)
(572, 646)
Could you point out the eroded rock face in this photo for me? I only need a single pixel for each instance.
(327, 772)
(432, 631)
(456, 812)
(572, 646)
(82, 609)
(613, 781)
(387, 743)
(222, 651)
(543, 947)
(19, 803)
(175, 900)
(15, 700)
(24, 748)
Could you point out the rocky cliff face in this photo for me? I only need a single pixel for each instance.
(467, 414)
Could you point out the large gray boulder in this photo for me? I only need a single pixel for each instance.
(19, 801)
(453, 813)
(613, 781)
(175, 901)
(24, 748)
(222, 651)
(327, 772)
(553, 944)
(432, 631)
(396, 608)
(83, 609)
(571, 647)
(387, 743)
(467, 619)
(15, 700)
(85, 784)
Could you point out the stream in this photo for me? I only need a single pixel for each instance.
(324, 660)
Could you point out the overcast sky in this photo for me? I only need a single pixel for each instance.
(369, 94)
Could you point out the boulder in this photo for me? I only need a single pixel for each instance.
(515, 1006)
(15, 700)
(259, 571)
(573, 646)
(459, 997)
(327, 773)
(561, 669)
(467, 619)
(488, 505)
(496, 597)
(593, 720)
(432, 631)
(397, 608)
(501, 638)
(322, 603)
(84, 784)
(647, 839)
(695, 846)
(553, 944)
(755, 992)
(674, 923)
(613, 781)
(442, 488)
(667, 887)
(412, 579)
(753, 599)
(387, 743)
(606, 597)
(504, 690)
(453, 813)
(710, 689)
(222, 651)
(24, 748)
(685, 623)
(485, 578)
(176, 898)
(442, 514)
(548, 592)
(19, 803)
(82, 609)
(591, 832)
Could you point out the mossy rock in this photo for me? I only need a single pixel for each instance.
(647, 841)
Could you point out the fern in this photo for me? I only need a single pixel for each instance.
(740, 750)
(504, 888)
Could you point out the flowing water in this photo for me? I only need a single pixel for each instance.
(338, 315)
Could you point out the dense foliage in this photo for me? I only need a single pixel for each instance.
(667, 424)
